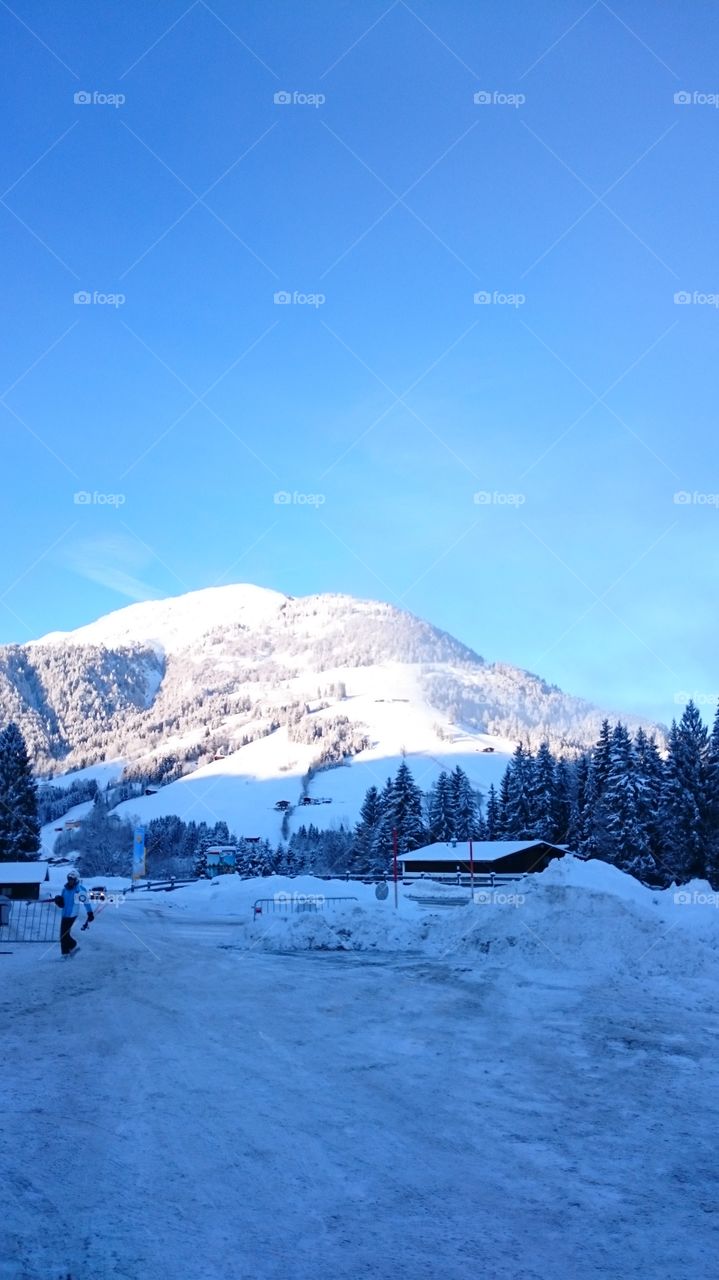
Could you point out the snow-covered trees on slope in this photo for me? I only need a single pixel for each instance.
(78, 703)
(498, 699)
(450, 811)
(19, 824)
(54, 802)
(655, 818)
(337, 738)
(67, 698)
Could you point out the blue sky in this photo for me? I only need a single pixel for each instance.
(578, 401)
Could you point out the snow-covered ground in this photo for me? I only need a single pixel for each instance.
(520, 1088)
(105, 772)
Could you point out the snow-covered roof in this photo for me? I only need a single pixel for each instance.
(482, 850)
(23, 872)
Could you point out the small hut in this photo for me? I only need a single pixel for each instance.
(23, 880)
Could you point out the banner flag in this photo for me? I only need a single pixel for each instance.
(138, 854)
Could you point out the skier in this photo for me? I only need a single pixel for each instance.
(72, 893)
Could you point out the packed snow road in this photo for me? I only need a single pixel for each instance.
(177, 1105)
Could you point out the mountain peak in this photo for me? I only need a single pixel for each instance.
(279, 685)
(174, 623)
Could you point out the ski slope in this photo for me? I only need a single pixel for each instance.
(509, 1092)
(243, 788)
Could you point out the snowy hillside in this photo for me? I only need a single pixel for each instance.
(232, 698)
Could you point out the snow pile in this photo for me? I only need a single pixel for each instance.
(574, 917)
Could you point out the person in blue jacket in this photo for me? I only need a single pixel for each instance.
(72, 897)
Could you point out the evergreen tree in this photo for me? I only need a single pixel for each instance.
(298, 852)
(600, 761)
(622, 838)
(581, 831)
(542, 801)
(594, 815)
(563, 804)
(712, 798)
(220, 834)
(685, 804)
(480, 826)
(442, 809)
(407, 819)
(504, 803)
(493, 814)
(381, 843)
(334, 851)
(520, 788)
(650, 779)
(19, 823)
(465, 804)
(366, 833)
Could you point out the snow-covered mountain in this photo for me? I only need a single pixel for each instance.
(240, 684)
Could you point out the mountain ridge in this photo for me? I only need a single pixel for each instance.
(168, 686)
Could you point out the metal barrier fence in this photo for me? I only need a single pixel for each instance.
(285, 904)
(31, 922)
(480, 880)
(161, 886)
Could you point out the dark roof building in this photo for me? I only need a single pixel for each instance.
(501, 857)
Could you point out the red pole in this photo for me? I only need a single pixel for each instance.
(471, 869)
(394, 861)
